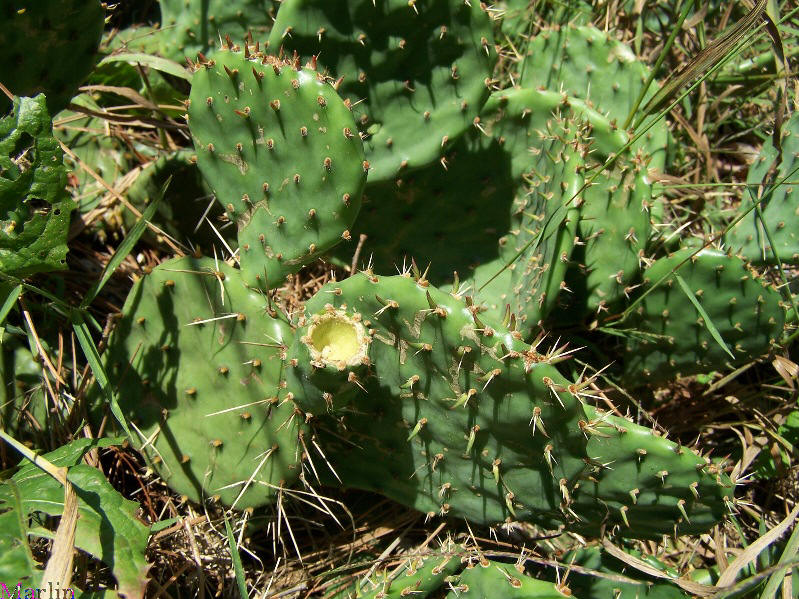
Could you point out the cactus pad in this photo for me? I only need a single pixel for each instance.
(668, 336)
(415, 72)
(52, 46)
(780, 208)
(469, 421)
(585, 63)
(192, 26)
(198, 356)
(281, 151)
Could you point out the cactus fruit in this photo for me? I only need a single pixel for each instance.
(415, 72)
(668, 336)
(34, 220)
(281, 152)
(198, 355)
(780, 207)
(469, 421)
(192, 26)
(52, 46)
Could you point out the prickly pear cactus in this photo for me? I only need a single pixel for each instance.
(416, 72)
(469, 421)
(52, 46)
(199, 358)
(463, 572)
(593, 585)
(487, 579)
(281, 151)
(421, 576)
(780, 203)
(544, 225)
(192, 26)
(34, 204)
(613, 234)
(668, 336)
(585, 63)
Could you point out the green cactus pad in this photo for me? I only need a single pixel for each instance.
(199, 358)
(780, 208)
(415, 72)
(421, 576)
(592, 585)
(449, 218)
(544, 226)
(613, 231)
(585, 63)
(488, 579)
(667, 336)
(34, 204)
(281, 151)
(466, 420)
(52, 46)
(192, 26)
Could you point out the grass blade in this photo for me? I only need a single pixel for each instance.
(93, 358)
(155, 62)
(707, 57)
(125, 247)
(237, 567)
(11, 299)
(708, 322)
(789, 554)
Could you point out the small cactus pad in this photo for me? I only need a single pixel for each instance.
(667, 335)
(199, 358)
(467, 420)
(48, 47)
(34, 203)
(780, 207)
(585, 63)
(421, 576)
(281, 151)
(192, 26)
(415, 72)
(487, 580)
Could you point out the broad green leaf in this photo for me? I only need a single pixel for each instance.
(107, 526)
(34, 204)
